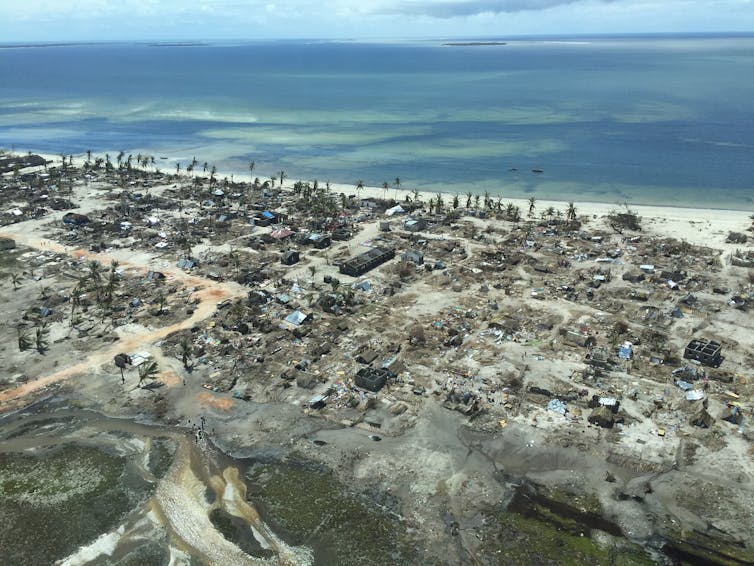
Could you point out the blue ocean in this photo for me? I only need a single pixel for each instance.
(640, 119)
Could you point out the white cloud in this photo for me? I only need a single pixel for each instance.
(37, 20)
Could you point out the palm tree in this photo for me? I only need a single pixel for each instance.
(44, 293)
(95, 274)
(177, 168)
(76, 294)
(251, 169)
(469, 196)
(119, 158)
(397, 182)
(282, 178)
(476, 201)
(113, 280)
(532, 205)
(571, 214)
(121, 360)
(186, 351)
(455, 201)
(88, 154)
(41, 335)
(161, 302)
(24, 343)
(385, 186)
(147, 370)
(359, 186)
(515, 214)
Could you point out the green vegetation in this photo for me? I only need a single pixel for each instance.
(310, 506)
(160, 457)
(52, 503)
(238, 532)
(526, 540)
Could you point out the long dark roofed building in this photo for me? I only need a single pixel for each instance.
(367, 261)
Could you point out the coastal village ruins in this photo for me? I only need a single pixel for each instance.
(590, 333)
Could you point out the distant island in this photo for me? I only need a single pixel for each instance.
(475, 43)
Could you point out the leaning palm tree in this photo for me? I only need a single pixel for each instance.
(147, 370)
(44, 293)
(24, 343)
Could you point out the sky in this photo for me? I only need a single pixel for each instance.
(82, 20)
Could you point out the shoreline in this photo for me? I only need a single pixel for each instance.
(595, 207)
(696, 225)
(589, 206)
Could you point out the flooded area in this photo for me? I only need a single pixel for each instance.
(106, 490)
(111, 490)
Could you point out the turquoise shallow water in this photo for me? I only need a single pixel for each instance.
(640, 119)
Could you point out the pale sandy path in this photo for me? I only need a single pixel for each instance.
(209, 294)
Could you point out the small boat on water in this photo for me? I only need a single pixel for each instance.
(537, 171)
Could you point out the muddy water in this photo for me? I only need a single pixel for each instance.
(113, 491)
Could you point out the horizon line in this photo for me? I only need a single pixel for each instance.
(198, 41)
